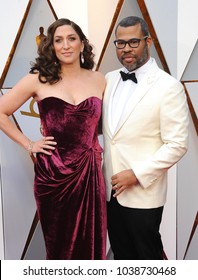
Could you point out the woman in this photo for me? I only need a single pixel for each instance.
(69, 187)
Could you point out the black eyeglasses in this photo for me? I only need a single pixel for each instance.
(133, 43)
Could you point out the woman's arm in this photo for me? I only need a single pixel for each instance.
(10, 102)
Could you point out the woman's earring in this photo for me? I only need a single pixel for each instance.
(82, 58)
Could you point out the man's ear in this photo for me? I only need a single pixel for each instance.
(149, 41)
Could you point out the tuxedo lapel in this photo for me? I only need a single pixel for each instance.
(141, 90)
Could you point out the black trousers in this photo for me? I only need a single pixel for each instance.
(134, 233)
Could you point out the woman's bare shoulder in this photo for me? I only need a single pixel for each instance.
(32, 78)
(98, 77)
(27, 86)
(98, 74)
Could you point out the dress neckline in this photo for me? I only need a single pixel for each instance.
(86, 99)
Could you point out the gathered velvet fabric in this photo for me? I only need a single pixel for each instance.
(69, 187)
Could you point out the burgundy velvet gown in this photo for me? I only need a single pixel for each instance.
(69, 186)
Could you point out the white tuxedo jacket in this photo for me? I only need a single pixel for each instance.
(151, 136)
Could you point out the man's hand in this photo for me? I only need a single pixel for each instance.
(123, 180)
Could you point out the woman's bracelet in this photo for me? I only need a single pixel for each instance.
(30, 147)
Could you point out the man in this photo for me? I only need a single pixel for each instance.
(145, 129)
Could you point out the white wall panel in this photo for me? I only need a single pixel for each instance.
(164, 16)
(187, 200)
(11, 14)
(75, 10)
(17, 196)
(191, 66)
(187, 32)
(193, 94)
(100, 15)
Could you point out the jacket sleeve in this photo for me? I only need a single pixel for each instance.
(174, 120)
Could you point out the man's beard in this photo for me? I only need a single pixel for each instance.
(141, 61)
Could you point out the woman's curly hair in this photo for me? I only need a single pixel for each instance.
(47, 64)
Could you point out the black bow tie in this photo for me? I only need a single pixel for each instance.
(128, 76)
